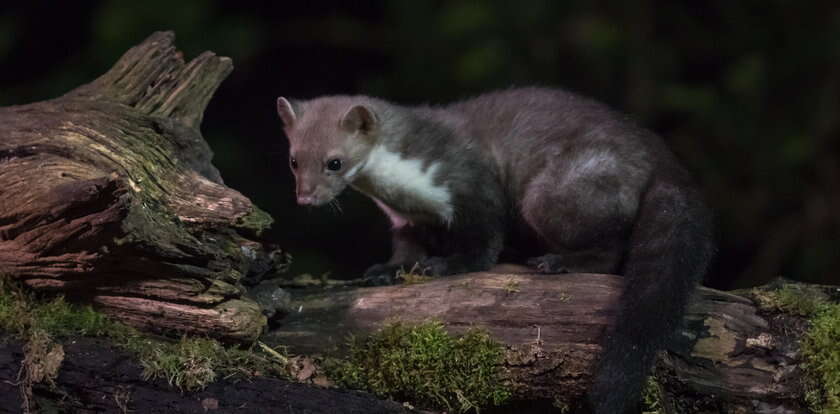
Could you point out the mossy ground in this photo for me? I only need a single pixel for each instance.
(188, 364)
(427, 366)
(791, 298)
(421, 364)
(651, 400)
(821, 347)
(821, 343)
(193, 363)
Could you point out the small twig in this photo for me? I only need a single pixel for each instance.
(278, 356)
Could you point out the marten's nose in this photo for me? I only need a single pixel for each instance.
(304, 200)
(305, 193)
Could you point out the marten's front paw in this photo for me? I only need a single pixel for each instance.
(382, 274)
(550, 263)
(436, 266)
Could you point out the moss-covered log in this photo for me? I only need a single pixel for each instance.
(108, 193)
(732, 356)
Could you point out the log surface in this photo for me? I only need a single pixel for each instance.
(107, 194)
(730, 355)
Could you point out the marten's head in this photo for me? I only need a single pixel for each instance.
(329, 140)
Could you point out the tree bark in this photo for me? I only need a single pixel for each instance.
(731, 356)
(107, 194)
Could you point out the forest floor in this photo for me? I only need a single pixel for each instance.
(97, 377)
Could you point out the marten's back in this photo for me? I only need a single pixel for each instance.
(522, 130)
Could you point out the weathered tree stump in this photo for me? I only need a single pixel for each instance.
(731, 357)
(108, 193)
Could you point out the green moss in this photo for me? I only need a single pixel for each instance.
(62, 319)
(7, 309)
(425, 365)
(21, 312)
(14, 312)
(256, 220)
(189, 365)
(193, 363)
(651, 401)
(819, 344)
(822, 355)
(796, 299)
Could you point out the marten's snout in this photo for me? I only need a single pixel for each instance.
(305, 200)
(305, 193)
(306, 196)
(314, 187)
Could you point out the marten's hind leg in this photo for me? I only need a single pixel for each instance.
(595, 260)
(583, 219)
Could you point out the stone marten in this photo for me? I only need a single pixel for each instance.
(574, 185)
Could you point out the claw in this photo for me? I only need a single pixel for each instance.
(550, 263)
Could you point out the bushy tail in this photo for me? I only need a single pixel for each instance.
(670, 249)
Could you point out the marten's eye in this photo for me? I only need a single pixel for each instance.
(293, 162)
(334, 164)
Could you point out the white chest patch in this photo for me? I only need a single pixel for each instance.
(397, 178)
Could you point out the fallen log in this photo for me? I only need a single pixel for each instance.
(107, 194)
(735, 354)
(732, 356)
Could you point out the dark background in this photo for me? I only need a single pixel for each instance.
(747, 93)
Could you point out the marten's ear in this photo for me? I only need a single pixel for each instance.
(286, 111)
(359, 118)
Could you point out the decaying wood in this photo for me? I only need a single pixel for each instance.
(734, 357)
(108, 193)
(731, 357)
(95, 378)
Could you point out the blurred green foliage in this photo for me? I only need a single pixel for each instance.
(747, 93)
